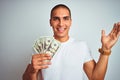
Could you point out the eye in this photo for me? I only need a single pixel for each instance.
(55, 18)
(66, 18)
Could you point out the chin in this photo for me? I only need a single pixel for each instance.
(59, 36)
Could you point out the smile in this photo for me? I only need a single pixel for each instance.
(60, 29)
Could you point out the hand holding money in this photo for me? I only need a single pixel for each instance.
(46, 47)
(39, 62)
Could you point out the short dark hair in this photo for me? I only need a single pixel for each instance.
(60, 6)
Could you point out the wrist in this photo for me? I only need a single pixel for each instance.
(106, 47)
(32, 70)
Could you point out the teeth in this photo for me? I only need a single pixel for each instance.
(61, 29)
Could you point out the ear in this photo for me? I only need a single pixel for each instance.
(50, 22)
(70, 22)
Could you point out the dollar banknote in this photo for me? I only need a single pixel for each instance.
(47, 42)
(47, 45)
(53, 47)
(38, 45)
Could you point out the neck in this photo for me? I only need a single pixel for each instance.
(62, 39)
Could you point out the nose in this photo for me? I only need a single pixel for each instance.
(61, 22)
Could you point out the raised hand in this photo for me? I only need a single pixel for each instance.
(109, 40)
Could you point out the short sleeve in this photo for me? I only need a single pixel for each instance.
(87, 53)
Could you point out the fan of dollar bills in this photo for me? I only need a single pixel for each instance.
(46, 45)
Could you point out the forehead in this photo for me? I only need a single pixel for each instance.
(60, 12)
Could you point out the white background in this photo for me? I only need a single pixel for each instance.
(21, 22)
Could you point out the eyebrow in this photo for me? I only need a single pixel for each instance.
(66, 17)
(62, 17)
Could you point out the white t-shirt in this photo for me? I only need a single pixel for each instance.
(67, 63)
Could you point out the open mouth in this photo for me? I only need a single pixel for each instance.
(61, 29)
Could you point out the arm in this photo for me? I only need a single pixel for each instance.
(96, 71)
(29, 73)
(38, 62)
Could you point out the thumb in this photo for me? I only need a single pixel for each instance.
(103, 33)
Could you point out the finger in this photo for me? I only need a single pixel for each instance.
(40, 67)
(103, 33)
(114, 28)
(114, 31)
(35, 55)
(41, 63)
(44, 55)
(40, 55)
(44, 58)
(40, 59)
(43, 67)
(118, 24)
(118, 34)
(119, 28)
(45, 62)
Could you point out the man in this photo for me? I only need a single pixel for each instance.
(73, 57)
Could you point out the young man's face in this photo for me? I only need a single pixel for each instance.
(60, 22)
